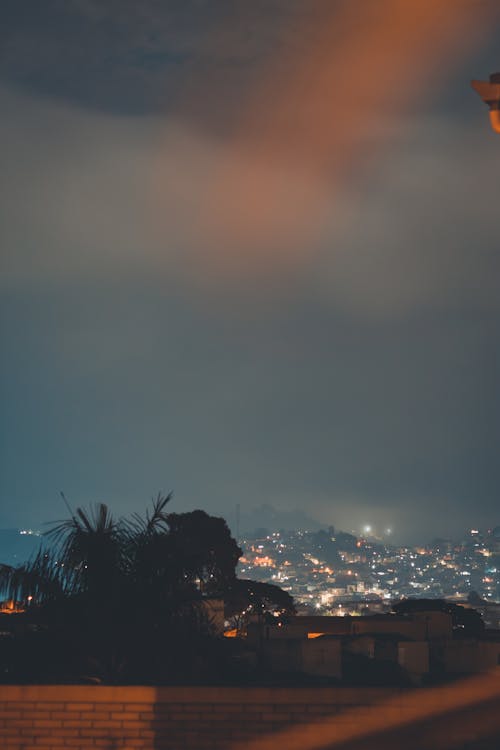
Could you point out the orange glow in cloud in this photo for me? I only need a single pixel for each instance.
(320, 112)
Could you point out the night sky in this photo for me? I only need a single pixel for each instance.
(250, 254)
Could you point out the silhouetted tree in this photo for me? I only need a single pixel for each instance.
(465, 621)
(245, 598)
(203, 546)
(122, 600)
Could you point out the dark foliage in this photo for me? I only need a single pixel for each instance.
(204, 549)
(466, 622)
(244, 599)
(118, 601)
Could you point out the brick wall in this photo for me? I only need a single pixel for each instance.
(50, 717)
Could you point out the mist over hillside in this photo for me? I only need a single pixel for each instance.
(266, 516)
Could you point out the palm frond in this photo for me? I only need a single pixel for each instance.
(152, 522)
(90, 546)
(6, 574)
(42, 579)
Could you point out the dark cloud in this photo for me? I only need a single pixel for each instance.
(198, 57)
(145, 57)
(362, 387)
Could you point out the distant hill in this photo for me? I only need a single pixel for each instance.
(273, 519)
(16, 547)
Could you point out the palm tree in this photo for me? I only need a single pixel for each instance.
(89, 549)
(121, 593)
